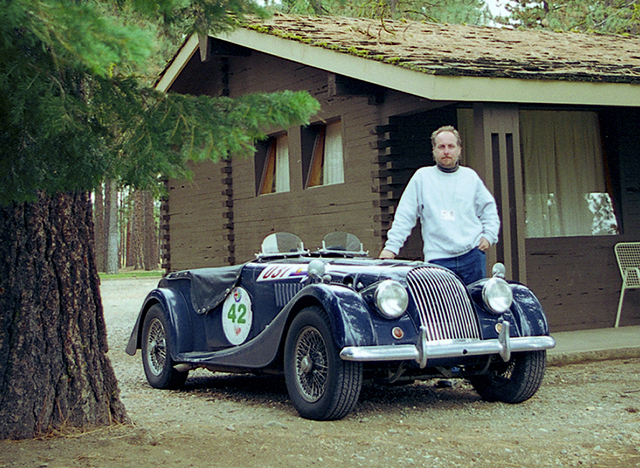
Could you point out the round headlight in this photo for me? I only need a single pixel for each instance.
(316, 268)
(391, 298)
(497, 295)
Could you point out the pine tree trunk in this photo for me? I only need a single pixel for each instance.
(99, 236)
(136, 226)
(151, 256)
(126, 238)
(54, 372)
(111, 224)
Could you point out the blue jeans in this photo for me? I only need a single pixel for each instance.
(471, 266)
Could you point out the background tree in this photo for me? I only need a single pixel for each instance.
(75, 112)
(439, 11)
(106, 229)
(603, 16)
(99, 233)
(151, 228)
(112, 234)
(139, 231)
(132, 240)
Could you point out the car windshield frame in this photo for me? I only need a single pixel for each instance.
(334, 244)
(343, 244)
(282, 245)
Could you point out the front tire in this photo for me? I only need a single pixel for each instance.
(514, 381)
(156, 358)
(320, 384)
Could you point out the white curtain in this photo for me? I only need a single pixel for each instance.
(564, 175)
(282, 163)
(333, 167)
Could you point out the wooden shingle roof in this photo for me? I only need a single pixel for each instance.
(471, 51)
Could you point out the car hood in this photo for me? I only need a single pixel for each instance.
(210, 286)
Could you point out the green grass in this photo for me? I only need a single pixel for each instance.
(130, 274)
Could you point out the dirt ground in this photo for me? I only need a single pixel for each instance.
(583, 415)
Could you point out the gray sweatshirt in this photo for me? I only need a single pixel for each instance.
(455, 210)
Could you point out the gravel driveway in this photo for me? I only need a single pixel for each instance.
(583, 415)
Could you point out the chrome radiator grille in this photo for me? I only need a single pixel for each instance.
(443, 304)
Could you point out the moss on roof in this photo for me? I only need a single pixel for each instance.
(462, 50)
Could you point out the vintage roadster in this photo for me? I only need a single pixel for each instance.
(333, 319)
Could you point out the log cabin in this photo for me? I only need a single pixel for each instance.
(550, 121)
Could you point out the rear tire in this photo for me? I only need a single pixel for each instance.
(514, 381)
(320, 384)
(156, 357)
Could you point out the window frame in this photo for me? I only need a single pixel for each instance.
(268, 163)
(315, 138)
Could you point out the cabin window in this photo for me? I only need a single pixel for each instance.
(272, 165)
(566, 190)
(322, 155)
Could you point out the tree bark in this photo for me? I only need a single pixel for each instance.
(151, 255)
(54, 369)
(137, 230)
(111, 225)
(100, 233)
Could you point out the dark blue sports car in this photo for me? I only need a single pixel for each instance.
(335, 318)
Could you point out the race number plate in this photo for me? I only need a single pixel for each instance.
(237, 316)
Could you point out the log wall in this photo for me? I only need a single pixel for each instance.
(578, 282)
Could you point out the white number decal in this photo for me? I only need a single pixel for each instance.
(237, 316)
(276, 272)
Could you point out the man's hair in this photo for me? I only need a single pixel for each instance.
(446, 128)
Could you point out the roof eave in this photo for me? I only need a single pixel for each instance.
(427, 86)
(178, 63)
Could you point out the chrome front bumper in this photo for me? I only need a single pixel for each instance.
(424, 350)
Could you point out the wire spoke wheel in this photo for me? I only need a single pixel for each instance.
(157, 346)
(156, 357)
(311, 364)
(321, 385)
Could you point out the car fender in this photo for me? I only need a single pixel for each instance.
(525, 313)
(348, 316)
(348, 313)
(528, 312)
(176, 310)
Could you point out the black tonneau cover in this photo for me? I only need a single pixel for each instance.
(209, 286)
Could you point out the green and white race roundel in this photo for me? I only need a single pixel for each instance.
(237, 316)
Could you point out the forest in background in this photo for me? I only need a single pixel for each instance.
(126, 229)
